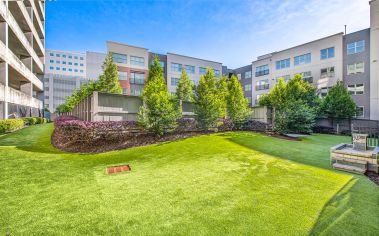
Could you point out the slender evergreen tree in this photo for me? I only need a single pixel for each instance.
(237, 105)
(184, 88)
(108, 81)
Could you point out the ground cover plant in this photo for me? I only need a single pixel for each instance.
(238, 183)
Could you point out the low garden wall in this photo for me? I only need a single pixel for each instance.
(73, 134)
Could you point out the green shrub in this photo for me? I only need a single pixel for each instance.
(39, 120)
(11, 125)
(29, 120)
(45, 120)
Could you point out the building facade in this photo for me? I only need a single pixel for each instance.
(244, 75)
(66, 72)
(22, 51)
(133, 64)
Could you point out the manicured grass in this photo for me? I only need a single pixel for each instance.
(233, 183)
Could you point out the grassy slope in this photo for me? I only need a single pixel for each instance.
(234, 183)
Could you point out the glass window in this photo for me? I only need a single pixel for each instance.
(327, 72)
(58, 62)
(122, 75)
(174, 81)
(57, 68)
(70, 63)
(51, 54)
(81, 64)
(69, 69)
(247, 75)
(63, 62)
(162, 64)
(81, 71)
(356, 68)
(51, 68)
(356, 89)
(217, 73)
(75, 57)
(51, 61)
(119, 58)
(64, 68)
(81, 58)
(64, 56)
(138, 61)
(327, 53)
(124, 91)
(285, 78)
(70, 57)
(137, 78)
(283, 64)
(76, 70)
(75, 64)
(307, 76)
(176, 67)
(360, 112)
(57, 55)
(262, 85)
(190, 69)
(135, 92)
(248, 87)
(202, 70)
(303, 59)
(262, 70)
(355, 47)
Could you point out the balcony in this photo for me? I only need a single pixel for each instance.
(308, 79)
(18, 97)
(36, 17)
(262, 87)
(15, 63)
(262, 73)
(6, 14)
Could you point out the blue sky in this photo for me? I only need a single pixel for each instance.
(233, 32)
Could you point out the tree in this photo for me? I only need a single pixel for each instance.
(184, 88)
(295, 105)
(108, 81)
(209, 102)
(236, 103)
(158, 113)
(338, 104)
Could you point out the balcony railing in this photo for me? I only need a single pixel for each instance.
(20, 35)
(262, 72)
(37, 16)
(18, 65)
(262, 87)
(17, 97)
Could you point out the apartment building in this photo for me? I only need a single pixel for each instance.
(22, 51)
(67, 71)
(352, 58)
(244, 75)
(133, 63)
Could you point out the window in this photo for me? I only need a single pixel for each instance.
(64, 56)
(75, 57)
(51, 61)
(285, 78)
(355, 47)
(119, 58)
(262, 85)
(176, 67)
(75, 64)
(69, 69)
(57, 68)
(303, 59)
(51, 54)
(135, 92)
(51, 68)
(138, 61)
(247, 75)
(239, 76)
(356, 68)
(190, 69)
(57, 55)
(217, 73)
(76, 70)
(283, 64)
(63, 62)
(122, 75)
(70, 63)
(81, 64)
(324, 91)
(327, 72)
(174, 81)
(58, 62)
(356, 89)
(64, 68)
(262, 70)
(137, 78)
(360, 112)
(124, 91)
(202, 70)
(81, 71)
(327, 53)
(81, 58)
(248, 87)
(70, 57)
(162, 64)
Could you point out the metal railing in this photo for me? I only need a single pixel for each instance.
(373, 134)
(262, 87)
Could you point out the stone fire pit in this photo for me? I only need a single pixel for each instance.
(357, 157)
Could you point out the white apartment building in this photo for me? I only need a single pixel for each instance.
(319, 62)
(22, 51)
(67, 71)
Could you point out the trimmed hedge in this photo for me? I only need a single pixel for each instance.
(34, 120)
(10, 125)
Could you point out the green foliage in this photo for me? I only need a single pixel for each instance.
(338, 104)
(155, 70)
(29, 120)
(108, 82)
(237, 105)
(9, 125)
(158, 113)
(209, 100)
(184, 88)
(295, 105)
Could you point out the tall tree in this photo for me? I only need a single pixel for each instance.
(236, 103)
(338, 103)
(158, 113)
(108, 81)
(209, 102)
(184, 88)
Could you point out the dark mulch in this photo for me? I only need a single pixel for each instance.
(374, 177)
(111, 145)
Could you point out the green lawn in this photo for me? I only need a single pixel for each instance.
(222, 184)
